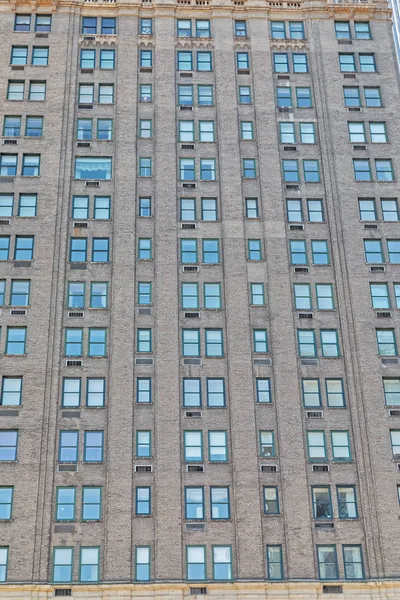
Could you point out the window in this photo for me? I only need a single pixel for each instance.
(287, 133)
(353, 563)
(84, 129)
(207, 169)
(373, 97)
(362, 30)
(205, 95)
(394, 251)
(106, 94)
(91, 503)
(327, 562)
(86, 93)
(219, 498)
(144, 341)
(107, 59)
(3, 563)
(212, 295)
(191, 342)
(373, 251)
(93, 446)
(386, 342)
(93, 168)
(303, 97)
(71, 392)
(190, 295)
(244, 94)
(281, 63)
(143, 444)
(290, 171)
(341, 446)
(144, 207)
(187, 169)
(260, 340)
(390, 211)
(246, 130)
(254, 249)
(8, 445)
(294, 210)
(367, 63)
(19, 55)
(37, 90)
(217, 446)
(351, 96)
(384, 170)
(210, 252)
(22, 23)
(142, 563)
(357, 132)
(263, 390)
(335, 393)
(214, 343)
(62, 565)
(329, 343)
(146, 26)
(89, 562)
(274, 563)
(298, 252)
(8, 164)
(146, 58)
(2, 291)
(40, 56)
(186, 131)
(319, 249)
(215, 392)
(146, 92)
(240, 29)
(311, 393)
(12, 126)
(251, 208)
(191, 392)
(397, 294)
(222, 562)
(296, 30)
(378, 133)
(324, 293)
(196, 563)
(97, 342)
(73, 342)
(185, 95)
(306, 342)
(284, 97)
(15, 90)
(367, 209)
(101, 207)
(278, 30)
(89, 25)
(204, 61)
(188, 251)
(65, 504)
(78, 250)
(6, 205)
(193, 446)
(267, 444)
(347, 504)
(302, 296)
(347, 63)
(203, 28)
(184, 27)
(249, 168)
(362, 169)
(16, 340)
(271, 501)
(185, 61)
(391, 388)
(379, 295)
(143, 390)
(68, 449)
(30, 165)
(300, 64)
(311, 171)
(322, 504)
(87, 59)
(11, 391)
(342, 30)
(257, 294)
(145, 249)
(307, 133)
(95, 392)
(316, 445)
(6, 498)
(242, 60)
(100, 250)
(206, 131)
(4, 247)
(209, 209)
(395, 440)
(104, 129)
(144, 292)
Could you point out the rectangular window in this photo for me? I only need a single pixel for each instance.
(362, 30)
(196, 563)
(37, 90)
(263, 390)
(87, 59)
(278, 30)
(11, 391)
(242, 60)
(71, 392)
(302, 296)
(215, 388)
(217, 446)
(145, 251)
(391, 388)
(284, 97)
(303, 97)
(62, 565)
(389, 208)
(146, 92)
(144, 207)
(300, 64)
(191, 342)
(281, 63)
(373, 251)
(4, 247)
(142, 563)
(254, 250)
(274, 563)
(335, 393)
(296, 30)
(206, 131)
(23, 247)
(3, 563)
(298, 252)
(40, 56)
(143, 390)
(190, 295)
(187, 209)
(290, 170)
(347, 503)
(16, 340)
(249, 168)
(267, 444)
(394, 251)
(252, 208)
(184, 28)
(222, 563)
(100, 250)
(378, 133)
(102, 207)
(244, 94)
(194, 503)
(19, 55)
(347, 63)
(379, 295)
(191, 391)
(68, 448)
(386, 342)
(208, 169)
(84, 129)
(220, 505)
(15, 90)
(107, 59)
(30, 165)
(271, 501)
(89, 25)
(306, 342)
(311, 171)
(351, 96)
(211, 254)
(395, 439)
(316, 446)
(91, 503)
(8, 445)
(373, 97)
(357, 132)
(93, 446)
(93, 168)
(146, 26)
(188, 251)
(367, 63)
(307, 133)
(214, 343)
(193, 446)
(106, 93)
(95, 392)
(203, 28)
(186, 131)
(205, 95)
(341, 446)
(294, 210)
(320, 254)
(311, 393)
(86, 93)
(209, 210)
(384, 170)
(73, 342)
(342, 30)
(185, 60)
(257, 294)
(187, 169)
(315, 211)
(185, 95)
(11, 126)
(327, 563)
(287, 133)
(144, 292)
(22, 23)
(89, 564)
(353, 562)
(396, 287)
(204, 61)
(212, 296)
(99, 294)
(367, 209)
(2, 292)
(322, 503)
(65, 504)
(20, 292)
(104, 129)
(260, 341)
(240, 29)
(97, 342)
(330, 343)
(143, 444)
(146, 58)
(246, 130)
(144, 341)
(6, 499)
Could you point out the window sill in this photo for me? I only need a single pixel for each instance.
(15, 355)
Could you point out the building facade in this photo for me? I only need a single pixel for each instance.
(200, 291)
